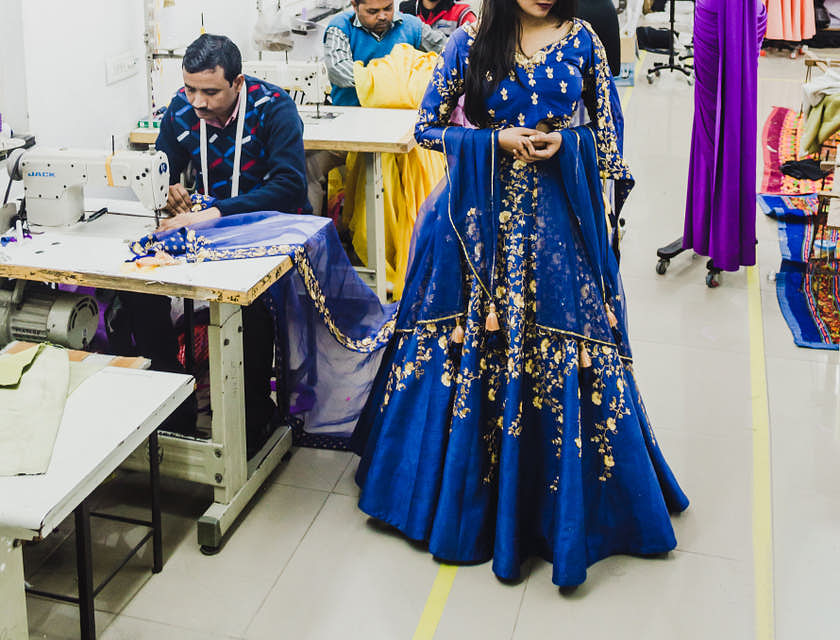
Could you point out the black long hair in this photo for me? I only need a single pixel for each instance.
(492, 52)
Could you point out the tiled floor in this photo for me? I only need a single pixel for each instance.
(306, 564)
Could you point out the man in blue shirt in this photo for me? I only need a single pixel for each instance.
(244, 139)
(368, 31)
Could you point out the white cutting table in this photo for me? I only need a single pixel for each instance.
(94, 254)
(370, 132)
(106, 418)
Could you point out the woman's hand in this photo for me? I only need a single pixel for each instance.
(184, 219)
(529, 145)
(546, 145)
(516, 142)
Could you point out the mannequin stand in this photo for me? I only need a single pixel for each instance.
(674, 62)
(669, 251)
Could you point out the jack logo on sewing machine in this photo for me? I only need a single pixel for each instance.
(40, 174)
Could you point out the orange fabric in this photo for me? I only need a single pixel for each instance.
(791, 20)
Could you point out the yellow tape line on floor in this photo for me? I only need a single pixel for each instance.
(762, 498)
(435, 603)
(639, 73)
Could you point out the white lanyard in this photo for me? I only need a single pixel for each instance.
(237, 154)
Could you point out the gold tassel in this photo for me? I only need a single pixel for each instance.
(492, 322)
(585, 360)
(457, 336)
(611, 317)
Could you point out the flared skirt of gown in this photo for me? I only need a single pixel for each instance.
(506, 445)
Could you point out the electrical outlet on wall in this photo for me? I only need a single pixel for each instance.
(121, 66)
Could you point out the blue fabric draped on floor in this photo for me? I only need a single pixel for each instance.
(807, 298)
(335, 325)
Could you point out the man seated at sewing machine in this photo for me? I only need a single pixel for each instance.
(368, 31)
(244, 138)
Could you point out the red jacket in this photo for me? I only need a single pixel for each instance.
(445, 17)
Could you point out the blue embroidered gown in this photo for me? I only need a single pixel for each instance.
(532, 439)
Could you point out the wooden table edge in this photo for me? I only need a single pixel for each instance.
(148, 285)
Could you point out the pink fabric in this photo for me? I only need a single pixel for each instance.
(791, 20)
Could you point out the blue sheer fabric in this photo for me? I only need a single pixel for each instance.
(532, 439)
(334, 324)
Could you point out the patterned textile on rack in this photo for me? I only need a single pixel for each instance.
(807, 297)
(784, 207)
(781, 140)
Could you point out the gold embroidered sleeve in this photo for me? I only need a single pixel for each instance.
(598, 88)
(445, 89)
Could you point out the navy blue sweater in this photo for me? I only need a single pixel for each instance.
(272, 168)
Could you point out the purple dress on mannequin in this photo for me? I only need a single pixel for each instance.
(720, 207)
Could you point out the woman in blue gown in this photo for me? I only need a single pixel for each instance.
(505, 420)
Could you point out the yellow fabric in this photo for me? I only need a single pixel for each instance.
(397, 81)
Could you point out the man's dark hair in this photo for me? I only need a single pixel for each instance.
(208, 52)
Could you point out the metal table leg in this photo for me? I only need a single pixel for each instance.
(13, 623)
(375, 218)
(84, 568)
(235, 485)
(154, 482)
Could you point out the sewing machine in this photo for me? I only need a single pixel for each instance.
(54, 180)
(307, 78)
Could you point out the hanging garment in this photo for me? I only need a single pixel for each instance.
(791, 20)
(505, 419)
(396, 81)
(808, 169)
(822, 123)
(818, 88)
(720, 206)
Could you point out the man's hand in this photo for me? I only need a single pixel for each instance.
(178, 200)
(186, 219)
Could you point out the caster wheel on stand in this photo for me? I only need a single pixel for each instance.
(662, 267)
(713, 277)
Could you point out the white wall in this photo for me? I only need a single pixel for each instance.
(12, 75)
(66, 43)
